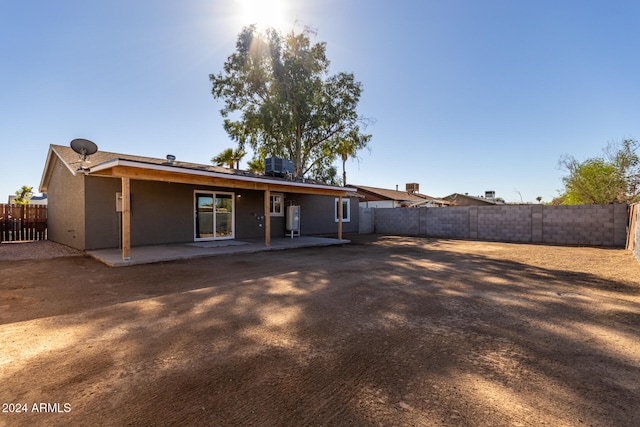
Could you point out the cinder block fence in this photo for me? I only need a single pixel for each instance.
(592, 225)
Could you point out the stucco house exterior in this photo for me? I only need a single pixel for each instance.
(373, 197)
(114, 200)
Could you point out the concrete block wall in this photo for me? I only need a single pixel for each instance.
(388, 221)
(504, 223)
(592, 225)
(451, 222)
(537, 216)
(366, 221)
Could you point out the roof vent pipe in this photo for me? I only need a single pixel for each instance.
(171, 158)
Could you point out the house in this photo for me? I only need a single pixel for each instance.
(373, 197)
(34, 200)
(457, 199)
(112, 200)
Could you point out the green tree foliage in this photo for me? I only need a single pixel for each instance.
(256, 165)
(325, 171)
(611, 178)
(627, 162)
(280, 100)
(348, 146)
(229, 157)
(23, 195)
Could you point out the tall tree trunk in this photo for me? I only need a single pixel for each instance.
(298, 159)
(344, 171)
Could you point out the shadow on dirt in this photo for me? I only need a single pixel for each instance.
(398, 331)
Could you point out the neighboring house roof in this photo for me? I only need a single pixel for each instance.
(374, 194)
(104, 163)
(34, 200)
(466, 200)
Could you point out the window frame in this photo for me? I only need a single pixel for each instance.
(214, 195)
(347, 202)
(272, 204)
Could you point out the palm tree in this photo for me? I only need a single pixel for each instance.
(229, 157)
(348, 146)
(224, 158)
(238, 154)
(256, 165)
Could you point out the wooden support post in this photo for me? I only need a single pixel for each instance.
(126, 218)
(267, 217)
(340, 217)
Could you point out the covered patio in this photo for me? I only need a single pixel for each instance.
(128, 170)
(182, 251)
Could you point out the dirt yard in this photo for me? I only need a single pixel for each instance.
(388, 331)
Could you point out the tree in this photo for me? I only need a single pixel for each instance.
(627, 162)
(23, 195)
(348, 147)
(256, 165)
(611, 178)
(325, 171)
(280, 100)
(229, 157)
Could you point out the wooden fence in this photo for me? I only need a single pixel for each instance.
(633, 228)
(23, 222)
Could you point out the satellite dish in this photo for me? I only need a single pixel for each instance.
(84, 147)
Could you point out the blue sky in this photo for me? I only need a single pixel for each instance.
(468, 95)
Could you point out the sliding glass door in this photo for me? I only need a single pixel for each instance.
(224, 216)
(214, 215)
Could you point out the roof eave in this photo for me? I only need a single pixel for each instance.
(46, 172)
(177, 169)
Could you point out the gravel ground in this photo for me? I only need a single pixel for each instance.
(39, 249)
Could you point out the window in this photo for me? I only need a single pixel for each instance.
(276, 204)
(346, 210)
(214, 215)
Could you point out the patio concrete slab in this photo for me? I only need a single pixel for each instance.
(180, 251)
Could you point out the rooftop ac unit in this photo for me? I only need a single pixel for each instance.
(275, 166)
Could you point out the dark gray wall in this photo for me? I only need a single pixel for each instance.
(82, 211)
(161, 213)
(317, 214)
(250, 216)
(103, 229)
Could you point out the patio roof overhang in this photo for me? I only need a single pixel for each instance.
(127, 170)
(119, 168)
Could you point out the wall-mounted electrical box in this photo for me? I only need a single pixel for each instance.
(118, 202)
